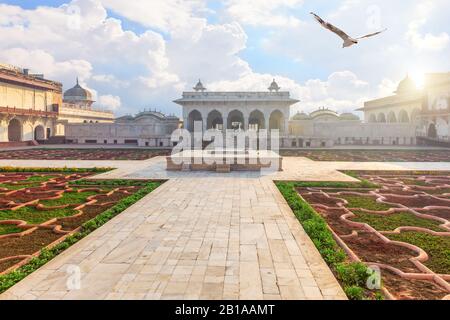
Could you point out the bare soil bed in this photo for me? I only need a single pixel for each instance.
(406, 289)
(370, 248)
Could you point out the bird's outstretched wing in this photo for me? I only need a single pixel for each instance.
(371, 35)
(330, 27)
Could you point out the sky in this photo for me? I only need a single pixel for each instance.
(142, 54)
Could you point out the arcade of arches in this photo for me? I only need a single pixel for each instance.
(401, 116)
(21, 129)
(237, 120)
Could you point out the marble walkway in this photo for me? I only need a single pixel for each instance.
(198, 236)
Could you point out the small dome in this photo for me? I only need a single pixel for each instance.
(349, 116)
(300, 116)
(323, 112)
(406, 85)
(199, 86)
(274, 86)
(77, 93)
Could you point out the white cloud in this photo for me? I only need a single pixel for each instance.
(211, 53)
(426, 41)
(40, 61)
(167, 15)
(110, 80)
(387, 87)
(264, 12)
(109, 102)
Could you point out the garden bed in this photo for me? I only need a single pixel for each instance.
(371, 155)
(72, 209)
(403, 230)
(83, 154)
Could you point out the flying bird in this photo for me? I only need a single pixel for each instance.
(348, 41)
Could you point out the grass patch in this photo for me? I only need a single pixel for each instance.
(394, 221)
(30, 182)
(437, 247)
(69, 198)
(414, 182)
(363, 202)
(351, 275)
(40, 178)
(33, 216)
(438, 191)
(10, 279)
(7, 229)
(12, 187)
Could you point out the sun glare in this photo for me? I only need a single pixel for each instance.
(418, 78)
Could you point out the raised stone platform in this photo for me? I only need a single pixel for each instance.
(223, 161)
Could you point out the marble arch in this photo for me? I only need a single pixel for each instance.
(236, 120)
(381, 118)
(391, 117)
(15, 130)
(39, 132)
(276, 120)
(193, 116)
(403, 117)
(215, 120)
(256, 120)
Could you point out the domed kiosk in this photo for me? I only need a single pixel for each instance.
(79, 96)
(407, 85)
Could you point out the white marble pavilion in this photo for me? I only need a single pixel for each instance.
(237, 110)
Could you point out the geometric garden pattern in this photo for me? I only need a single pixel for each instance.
(39, 210)
(400, 225)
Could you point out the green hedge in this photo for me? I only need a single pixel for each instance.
(10, 279)
(353, 276)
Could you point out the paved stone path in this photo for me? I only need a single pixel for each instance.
(200, 235)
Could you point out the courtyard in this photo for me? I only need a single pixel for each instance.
(204, 235)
